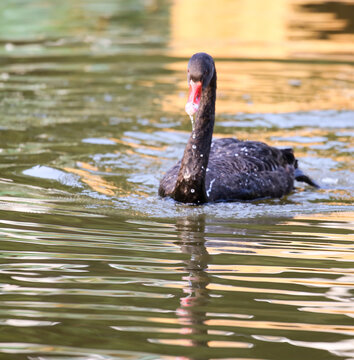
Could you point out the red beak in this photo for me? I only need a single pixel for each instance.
(195, 91)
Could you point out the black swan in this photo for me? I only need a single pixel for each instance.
(224, 169)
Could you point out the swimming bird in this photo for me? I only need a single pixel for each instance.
(225, 169)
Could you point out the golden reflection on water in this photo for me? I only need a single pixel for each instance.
(260, 29)
(245, 289)
(346, 219)
(273, 30)
(289, 252)
(210, 344)
(252, 269)
(96, 182)
(298, 281)
(338, 329)
(257, 87)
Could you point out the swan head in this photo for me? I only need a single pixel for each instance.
(201, 69)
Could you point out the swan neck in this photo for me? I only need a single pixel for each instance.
(190, 185)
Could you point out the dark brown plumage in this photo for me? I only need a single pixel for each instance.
(225, 169)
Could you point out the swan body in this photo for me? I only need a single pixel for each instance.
(224, 169)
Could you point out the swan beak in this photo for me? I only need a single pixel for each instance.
(195, 91)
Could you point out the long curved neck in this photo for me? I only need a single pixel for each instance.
(190, 185)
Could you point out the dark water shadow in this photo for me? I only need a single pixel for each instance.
(339, 10)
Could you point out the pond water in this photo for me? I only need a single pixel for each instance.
(94, 265)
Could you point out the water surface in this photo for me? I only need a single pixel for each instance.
(94, 264)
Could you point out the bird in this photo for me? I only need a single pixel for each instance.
(226, 169)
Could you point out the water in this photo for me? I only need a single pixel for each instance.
(94, 264)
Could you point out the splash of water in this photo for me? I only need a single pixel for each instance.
(191, 108)
(192, 121)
